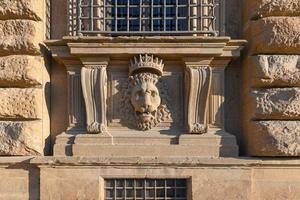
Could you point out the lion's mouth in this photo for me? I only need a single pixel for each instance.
(146, 115)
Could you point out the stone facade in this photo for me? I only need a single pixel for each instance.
(271, 78)
(80, 178)
(24, 79)
(173, 112)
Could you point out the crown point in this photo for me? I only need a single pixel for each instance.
(146, 63)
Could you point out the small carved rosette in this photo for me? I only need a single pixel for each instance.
(143, 93)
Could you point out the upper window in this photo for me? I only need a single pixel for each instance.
(145, 17)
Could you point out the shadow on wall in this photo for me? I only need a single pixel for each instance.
(233, 86)
(233, 19)
(47, 95)
(33, 178)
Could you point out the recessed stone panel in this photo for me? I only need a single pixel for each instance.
(21, 138)
(17, 103)
(120, 108)
(274, 70)
(20, 37)
(274, 35)
(21, 9)
(20, 71)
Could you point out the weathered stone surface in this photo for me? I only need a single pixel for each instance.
(280, 184)
(275, 103)
(17, 183)
(274, 70)
(16, 103)
(20, 71)
(273, 138)
(20, 37)
(266, 8)
(21, 138)
(277, 35)
(21, 9)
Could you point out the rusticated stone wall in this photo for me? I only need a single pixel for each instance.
(24, 121)
(271, 94)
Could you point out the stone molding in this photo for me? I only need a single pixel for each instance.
(160, 161)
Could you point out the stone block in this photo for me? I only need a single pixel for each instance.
(274, 103)
(20, 37)
(274, 35)
(21, 71)
(21, 9)
(21, 138)
(272, 138)
(265, 8)
(18, 103)
(274, 70)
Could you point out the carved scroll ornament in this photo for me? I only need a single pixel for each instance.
(94, 83)
(198, 86)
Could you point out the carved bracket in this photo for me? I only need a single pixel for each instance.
(94, 87)
(198, 83)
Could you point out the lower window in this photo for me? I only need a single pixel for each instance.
(146, 189)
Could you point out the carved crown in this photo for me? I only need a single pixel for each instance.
(146, 63)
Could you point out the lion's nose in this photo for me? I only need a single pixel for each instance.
(147, 101)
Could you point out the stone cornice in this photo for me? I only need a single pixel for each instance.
(218, 47)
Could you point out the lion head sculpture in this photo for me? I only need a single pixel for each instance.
(143, 95)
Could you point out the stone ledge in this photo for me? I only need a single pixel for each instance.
(274, 35)
(163, 161)
(21, 9)
(182, 161)
(14, 160)
(265, 8)
(21, 71)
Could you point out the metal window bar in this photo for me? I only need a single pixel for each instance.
(48, 19)
(146, 17)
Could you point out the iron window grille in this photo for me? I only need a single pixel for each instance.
(146, 17)
(145, 189)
